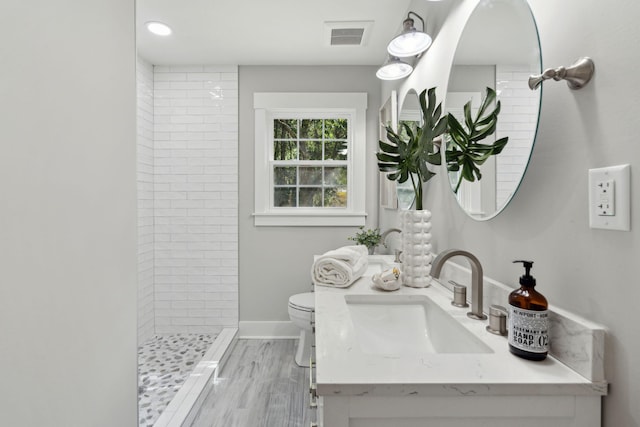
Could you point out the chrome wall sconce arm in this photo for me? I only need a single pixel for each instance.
(576, 75)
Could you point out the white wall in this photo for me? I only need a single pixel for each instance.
(68, 213)
(144, 148)
(275, 262)
(195, 198)
(588, 272)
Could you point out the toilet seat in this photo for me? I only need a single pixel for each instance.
(301, 308)
(303, 302)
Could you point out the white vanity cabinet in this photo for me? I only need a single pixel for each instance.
(459, 411)
(358, 386)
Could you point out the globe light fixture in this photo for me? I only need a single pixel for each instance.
(410, 42)
(393, 69)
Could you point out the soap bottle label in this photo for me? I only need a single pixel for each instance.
(528, 329)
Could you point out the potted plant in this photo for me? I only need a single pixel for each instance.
(404, 158)
(369, 238)
(408, 158)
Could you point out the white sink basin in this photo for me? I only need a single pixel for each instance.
(378, 263)
(394, 325)
(375, 267)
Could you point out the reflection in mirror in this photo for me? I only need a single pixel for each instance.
(411, 115)
(388, 116)
(499, 48)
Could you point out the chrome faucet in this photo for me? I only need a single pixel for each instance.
(389, 231)
(383, 237)
(476, 278)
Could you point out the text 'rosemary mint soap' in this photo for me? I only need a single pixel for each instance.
(528, 319)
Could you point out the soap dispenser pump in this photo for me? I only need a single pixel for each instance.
(528, 319)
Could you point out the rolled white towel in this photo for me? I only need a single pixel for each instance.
(340, 267)
(350, 254)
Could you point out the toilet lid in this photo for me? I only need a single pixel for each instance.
(304, 302)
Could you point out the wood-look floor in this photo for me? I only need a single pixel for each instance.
(260, 385)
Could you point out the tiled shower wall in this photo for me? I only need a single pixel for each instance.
(518, 120)
(195, 198)
(144, 150)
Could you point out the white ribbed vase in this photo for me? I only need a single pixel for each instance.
(416, 248)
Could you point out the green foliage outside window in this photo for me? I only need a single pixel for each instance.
(310, 141)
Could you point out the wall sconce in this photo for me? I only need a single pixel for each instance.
(393, 69)
(576, 75)
(410, 42)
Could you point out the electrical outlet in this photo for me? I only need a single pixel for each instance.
(606, 201)
(610, 198)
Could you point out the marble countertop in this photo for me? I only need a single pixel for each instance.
(342, 368)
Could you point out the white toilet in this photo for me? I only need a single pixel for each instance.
(301, 308)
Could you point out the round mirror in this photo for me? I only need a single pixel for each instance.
(410, 114)
(499, 48)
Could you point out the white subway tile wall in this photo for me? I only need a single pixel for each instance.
(518, 120)
(144, 150)
(195, 198)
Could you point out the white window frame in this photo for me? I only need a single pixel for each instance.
(268, 106)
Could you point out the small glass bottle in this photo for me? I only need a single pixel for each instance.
(528, 319)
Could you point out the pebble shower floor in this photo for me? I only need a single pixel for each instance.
(164, 363)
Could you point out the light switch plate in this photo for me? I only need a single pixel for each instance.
(610, 198)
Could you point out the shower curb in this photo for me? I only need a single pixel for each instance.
(184, 407)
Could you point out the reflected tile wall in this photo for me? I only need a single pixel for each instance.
(518, 119)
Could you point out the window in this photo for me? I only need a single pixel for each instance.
(310, 162)
(309, 159)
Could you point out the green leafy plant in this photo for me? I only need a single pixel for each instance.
(408, 158)
(464, 153)
(370, 237)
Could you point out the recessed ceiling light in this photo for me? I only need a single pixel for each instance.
(158, 28)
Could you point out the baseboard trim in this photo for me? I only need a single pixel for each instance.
(268, 329)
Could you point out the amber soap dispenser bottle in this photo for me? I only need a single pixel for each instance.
(528, 319)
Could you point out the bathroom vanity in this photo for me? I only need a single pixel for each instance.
(410, 358)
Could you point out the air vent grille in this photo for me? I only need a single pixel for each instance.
(347, 33)
(346, 36)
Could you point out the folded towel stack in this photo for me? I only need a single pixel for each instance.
(340, 267)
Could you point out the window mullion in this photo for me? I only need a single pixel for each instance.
(299, 125)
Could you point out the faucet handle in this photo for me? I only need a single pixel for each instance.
(497, 320)
(459, 295)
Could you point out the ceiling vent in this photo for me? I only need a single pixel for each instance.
(347, 33)
(346, 36)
